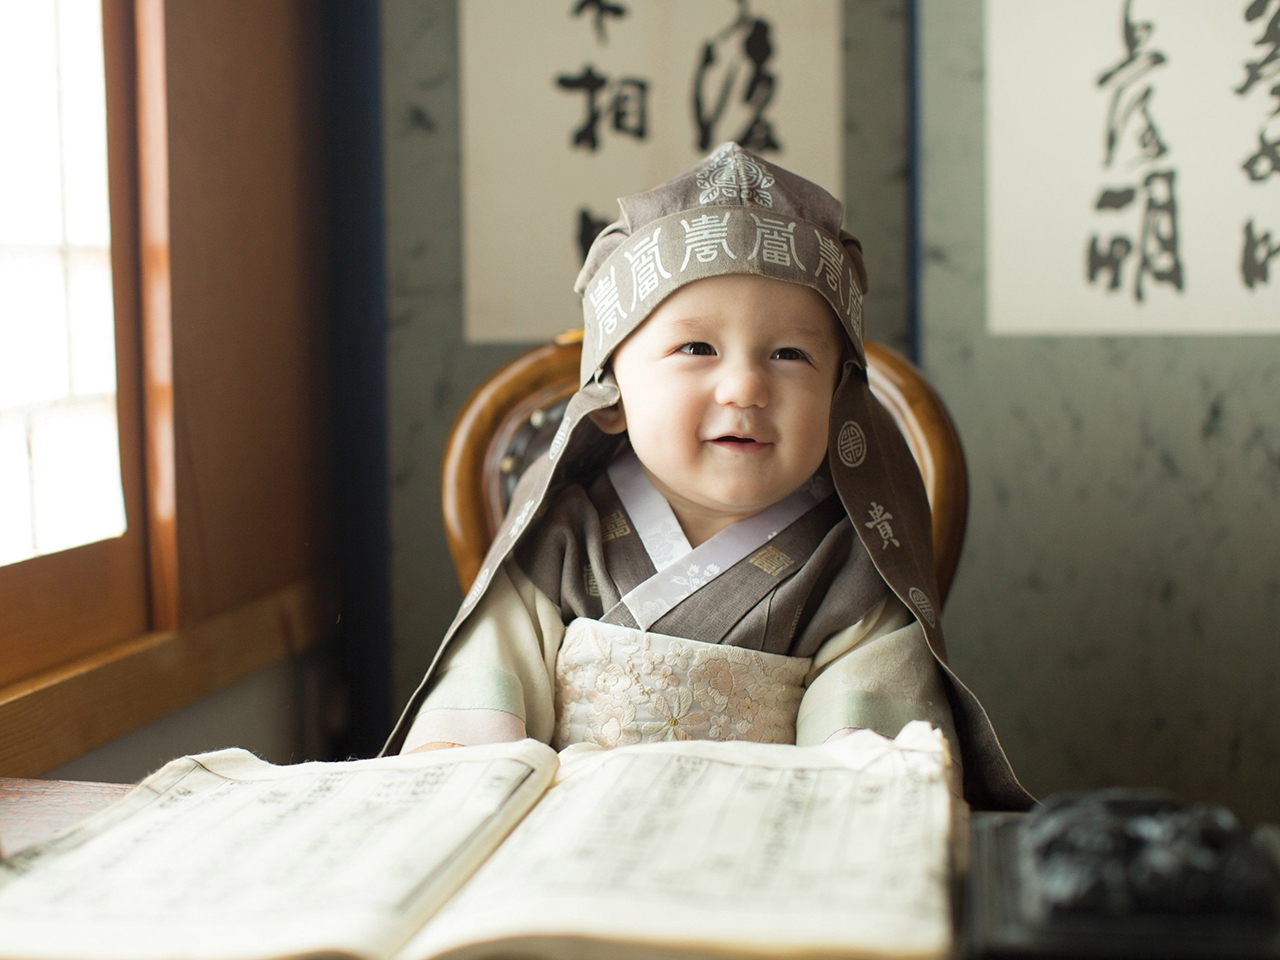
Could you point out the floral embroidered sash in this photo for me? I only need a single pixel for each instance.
(617, 686)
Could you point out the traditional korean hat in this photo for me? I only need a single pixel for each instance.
(735, 213)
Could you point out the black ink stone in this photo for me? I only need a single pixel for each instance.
(1120, 853)
(1123, 874)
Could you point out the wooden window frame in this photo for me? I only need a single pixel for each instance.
(217, 576)
(35, 634)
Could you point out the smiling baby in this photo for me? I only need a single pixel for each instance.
(728, 538)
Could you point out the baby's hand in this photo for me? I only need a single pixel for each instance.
(434, 745)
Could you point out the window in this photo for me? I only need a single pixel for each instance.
(58, 374)
(59, 449)
(217, 278)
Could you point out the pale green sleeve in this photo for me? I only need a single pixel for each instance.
(878, 674)
(494, 683)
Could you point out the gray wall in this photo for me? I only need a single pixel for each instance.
(430, 371)
(275, 713)
(1118, 594)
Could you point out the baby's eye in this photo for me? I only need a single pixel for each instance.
(698, 349)
(790, 353)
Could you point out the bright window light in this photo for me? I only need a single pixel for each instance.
(59, 450)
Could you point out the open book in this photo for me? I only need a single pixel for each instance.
(695, 849)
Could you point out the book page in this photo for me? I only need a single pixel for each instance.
(223, 855)
(769, 848)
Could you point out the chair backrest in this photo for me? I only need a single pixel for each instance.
(511, 418)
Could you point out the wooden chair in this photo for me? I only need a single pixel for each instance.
(510, 420)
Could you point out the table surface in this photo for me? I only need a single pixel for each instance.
(34, 810)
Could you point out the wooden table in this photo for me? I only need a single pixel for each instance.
(34, 810)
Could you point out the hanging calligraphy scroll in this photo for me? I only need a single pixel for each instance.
(569, 104)
(1133, 166)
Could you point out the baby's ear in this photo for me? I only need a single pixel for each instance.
(611, 419)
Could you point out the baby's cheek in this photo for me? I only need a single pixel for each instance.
(665, 417)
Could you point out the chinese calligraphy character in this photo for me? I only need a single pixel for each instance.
(733, 74)
(646, 264)
(1158, 239)
(602, 9)
(1266, 161)
(705, 237)
(777, 241)
(880, 518)
(1159, 246)
(829, 260)
(1119, 248)
(1125, 100)
(853, 309)
(1267, 67)
(626, 103)
(1255, 260)
(604, 301)
(1132, 140)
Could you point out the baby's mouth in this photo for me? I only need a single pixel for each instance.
(733, 441)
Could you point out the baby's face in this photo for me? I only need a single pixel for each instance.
(726, 391)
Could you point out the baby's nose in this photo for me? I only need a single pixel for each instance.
(743, 385)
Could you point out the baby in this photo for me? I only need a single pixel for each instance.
(728, 537)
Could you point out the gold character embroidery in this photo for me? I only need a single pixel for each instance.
(771, 560)
(614, 526)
